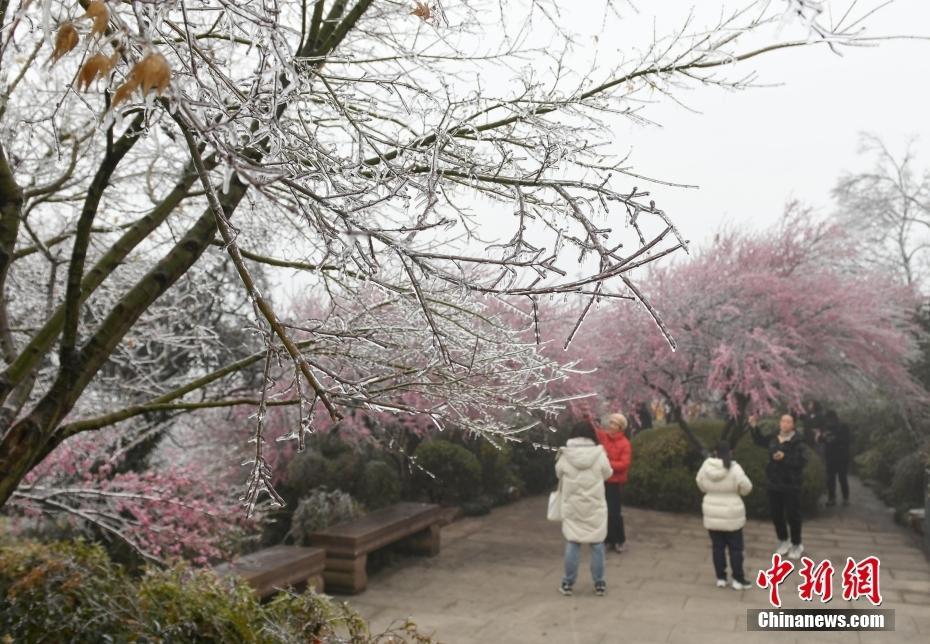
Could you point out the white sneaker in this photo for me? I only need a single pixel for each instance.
(783, 547)
(741, 586)
(795, 551)
(722, 583)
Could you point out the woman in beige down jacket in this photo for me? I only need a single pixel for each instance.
(723, 483)
(582, 467)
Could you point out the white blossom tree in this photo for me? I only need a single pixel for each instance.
(144, 144)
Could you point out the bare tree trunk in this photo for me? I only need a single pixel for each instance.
(737, 425)
(676, 414)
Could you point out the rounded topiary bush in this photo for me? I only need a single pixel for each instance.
(879, 463)
(660, 475)
(535, 467)
(498, 478)
(909, 485)
(307, 470)
(379, 485)
(664, 466)
(449, 474)
(344, 470)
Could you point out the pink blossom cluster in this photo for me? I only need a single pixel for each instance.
(761, 321)
(165, 512)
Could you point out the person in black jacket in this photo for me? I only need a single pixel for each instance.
(784, 474)
(834, 437)
(812, 419)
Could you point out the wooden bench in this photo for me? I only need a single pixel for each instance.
(414, 525)
(279, 567)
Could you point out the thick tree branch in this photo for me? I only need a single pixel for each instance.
(32, 354)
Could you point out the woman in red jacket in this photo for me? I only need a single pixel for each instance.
(620, 454)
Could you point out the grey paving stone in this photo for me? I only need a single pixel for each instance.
(497, 576)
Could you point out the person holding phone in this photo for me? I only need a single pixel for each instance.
(784, 474)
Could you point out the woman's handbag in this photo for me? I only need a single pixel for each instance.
(554, 513)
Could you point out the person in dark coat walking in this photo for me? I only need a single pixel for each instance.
(834, 437)
(642, 419)
(812, 419)
(784, 474)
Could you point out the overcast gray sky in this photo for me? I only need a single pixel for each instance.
(751, 151)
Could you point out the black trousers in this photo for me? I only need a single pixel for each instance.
(615, 532)
(837, 468)
(721, 541)
(786, 504)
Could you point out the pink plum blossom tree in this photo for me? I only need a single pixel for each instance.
(760, 322)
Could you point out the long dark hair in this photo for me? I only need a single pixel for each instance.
(584, 429)
(724, 453)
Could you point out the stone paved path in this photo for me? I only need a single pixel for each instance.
(495, 581)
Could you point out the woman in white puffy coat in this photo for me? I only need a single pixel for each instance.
(582, 467)
(723, 483)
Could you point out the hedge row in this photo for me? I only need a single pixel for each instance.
(664, 466)
(888, 456)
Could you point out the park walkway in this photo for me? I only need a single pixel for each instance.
(495, 581)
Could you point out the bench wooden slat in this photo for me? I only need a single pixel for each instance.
(389, 518)
(278, 567)
(377, 529)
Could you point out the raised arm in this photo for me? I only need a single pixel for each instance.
(756, 434)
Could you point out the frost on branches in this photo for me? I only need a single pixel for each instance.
(170, 171)
(762, 321)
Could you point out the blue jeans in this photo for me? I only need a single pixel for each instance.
(573, 559)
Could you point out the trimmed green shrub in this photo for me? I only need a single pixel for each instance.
(663, 470)
(908, 485)
(307, 470)
(71, 592)
(535, 466)
(328, 462)
(889, 458)
(379, 485)
(660, 475)
(479, 507)
(498, 478)
(321, 509)
(878, 464)
(535, 469)
(344, 471)
(452, 473)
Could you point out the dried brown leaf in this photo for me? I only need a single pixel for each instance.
(65, 41)
(422, 11)
(123, 92)
(98, 12)
(152, 73)
(97, 66)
